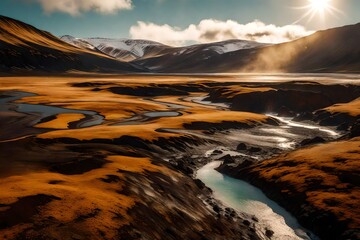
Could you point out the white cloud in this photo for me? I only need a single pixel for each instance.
(210, 30)
(76, 7)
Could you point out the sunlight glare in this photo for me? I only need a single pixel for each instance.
(319, 8)
(320, 5)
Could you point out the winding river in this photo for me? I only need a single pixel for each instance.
(244, 197)
(234, 193)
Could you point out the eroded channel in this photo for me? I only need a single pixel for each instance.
(28, 115)
(242, 196)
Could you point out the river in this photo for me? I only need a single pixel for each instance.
(244, 197)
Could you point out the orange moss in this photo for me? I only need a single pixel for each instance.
(19, 34)
(80, 195)
(351, 108)
(319, 172)
(62, 121)
(234, 90)
(148, 131)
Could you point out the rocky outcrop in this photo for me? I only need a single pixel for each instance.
(311, 141)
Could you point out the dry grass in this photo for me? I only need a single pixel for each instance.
(19, 35)
(61, 121)
(58, 91)
(324, 173)
(81, 195)
(87, 194)
(234, 90)
(351, 108)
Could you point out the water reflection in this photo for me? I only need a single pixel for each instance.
(246, 198)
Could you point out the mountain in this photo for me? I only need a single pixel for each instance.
(135, 50)
(333, 50)
(122, 49)
(25, 48)
(198, 58)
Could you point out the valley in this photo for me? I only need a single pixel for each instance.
(218, 136)
(126, 156)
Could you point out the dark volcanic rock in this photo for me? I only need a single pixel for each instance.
(231, 170)
(227, 159)
(355, 129)
(285, 112)
(215, 152)
(241, 146)
(23, 210)
(269, 233)
(183, 167)
(311, 141)
(79, 166)
(304, 116)
(342, 120)
(254, 149)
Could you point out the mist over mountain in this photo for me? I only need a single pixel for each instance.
(333, 50)
(26, 48)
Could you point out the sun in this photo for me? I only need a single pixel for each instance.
(318, 8)
(320, 5)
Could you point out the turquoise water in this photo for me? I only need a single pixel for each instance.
(244, 197)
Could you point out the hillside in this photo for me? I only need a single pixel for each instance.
(121, 49)
(333, 50)
(24, 48)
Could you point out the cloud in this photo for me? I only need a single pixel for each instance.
(210, 30)
(76, 7)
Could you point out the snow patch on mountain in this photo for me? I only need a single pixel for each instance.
(136, 47)
(77, 42)
(234, 45)
(132, 49)
(123, 49)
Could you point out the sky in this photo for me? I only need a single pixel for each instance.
(179, 22)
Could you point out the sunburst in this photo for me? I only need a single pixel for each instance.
(318, 8)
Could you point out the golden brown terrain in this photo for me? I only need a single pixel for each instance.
(95, 182)
(319, 184)
(98, 171)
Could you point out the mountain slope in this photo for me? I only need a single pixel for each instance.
(26, 48)
(333, 50)
(137, 50)
(198, 58)
(122, 49)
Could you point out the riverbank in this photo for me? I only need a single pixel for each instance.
(137, 141)
(318, 184)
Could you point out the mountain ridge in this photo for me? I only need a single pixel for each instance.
(24, 48)
(139, 49)
(313, 53)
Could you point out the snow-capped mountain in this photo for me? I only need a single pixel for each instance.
(218, 47)
(122, 49)
(132, 49)
(77, 42)
(233, 45)
(195, 55)
(26, 48)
